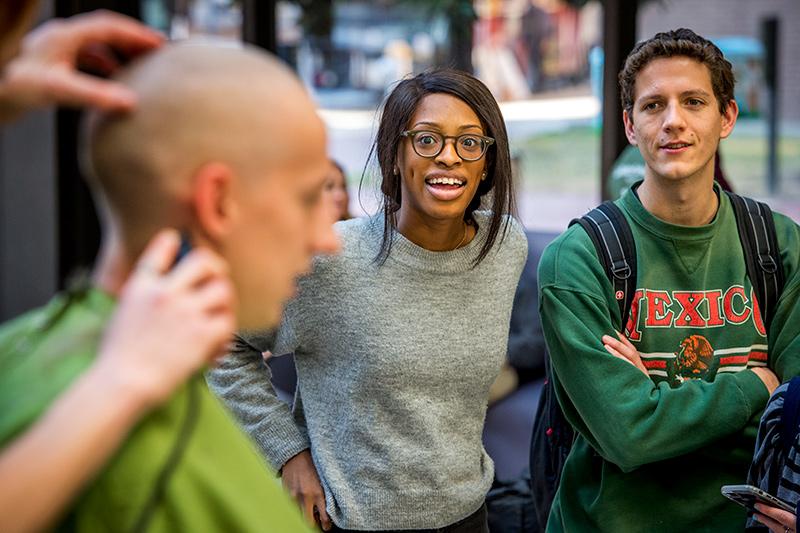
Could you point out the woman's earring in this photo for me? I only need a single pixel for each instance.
(483, 176)
(396, 171)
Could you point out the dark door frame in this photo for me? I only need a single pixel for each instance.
(619, 37)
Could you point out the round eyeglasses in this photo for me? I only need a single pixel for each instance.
(469, 146)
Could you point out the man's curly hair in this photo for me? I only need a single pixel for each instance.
(680, 42)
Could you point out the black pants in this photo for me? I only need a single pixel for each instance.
(474, 523)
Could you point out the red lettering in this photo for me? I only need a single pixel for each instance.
(632, 330)
(757, 320)
(714, 318)
(658, 316)
(731, 314)
(689, 315)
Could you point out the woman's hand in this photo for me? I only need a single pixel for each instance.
(301, 480)
(777, 520)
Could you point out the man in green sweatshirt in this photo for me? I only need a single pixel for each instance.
(667, 413)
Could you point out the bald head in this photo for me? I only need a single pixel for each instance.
(225, 145)
(199, 104)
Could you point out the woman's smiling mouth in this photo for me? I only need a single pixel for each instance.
(445, 188)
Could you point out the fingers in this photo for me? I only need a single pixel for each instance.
(625, 341)
(308, 510)
(97, 58)
(48, 64)
(221, 327)
(159, 254)
(777, 516)
(75, 89)
(114, 29)
(201, 272)
(619, 347)
(770, 523)
(199, 266)
(301, 480)
(287, 486)
(215, 296)
(322, 514)
(615, 353)
(608, 340)
(623, 349)
(622, 345)
(216, 300)
(218, 330)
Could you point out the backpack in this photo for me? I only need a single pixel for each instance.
(611, 235)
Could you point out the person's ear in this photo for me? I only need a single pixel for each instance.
(630, 132)
(399, 161)
(729, 118)
(213, 199)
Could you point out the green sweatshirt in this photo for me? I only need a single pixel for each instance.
(220, 482)
(652, 453)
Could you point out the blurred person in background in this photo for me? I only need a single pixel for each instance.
(336, 191)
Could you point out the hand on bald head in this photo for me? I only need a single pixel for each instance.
(230, 110)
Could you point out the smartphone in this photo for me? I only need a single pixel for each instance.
(748, 495)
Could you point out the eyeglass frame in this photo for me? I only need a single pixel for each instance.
(411, 133)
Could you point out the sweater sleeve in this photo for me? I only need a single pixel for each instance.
(622, 413)
(243, 381)
(784, 331)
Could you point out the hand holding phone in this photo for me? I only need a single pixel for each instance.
(172, 319)
(747, 496)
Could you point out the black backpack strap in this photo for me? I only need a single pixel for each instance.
(609, 230)
(553, 436)
(761, 253)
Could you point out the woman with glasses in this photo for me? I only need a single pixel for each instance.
(398, 338)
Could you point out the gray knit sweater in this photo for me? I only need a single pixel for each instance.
(394, 364)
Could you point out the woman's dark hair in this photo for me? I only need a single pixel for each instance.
(397, 112)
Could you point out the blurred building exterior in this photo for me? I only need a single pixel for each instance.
(543, 60)
(721, 18)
